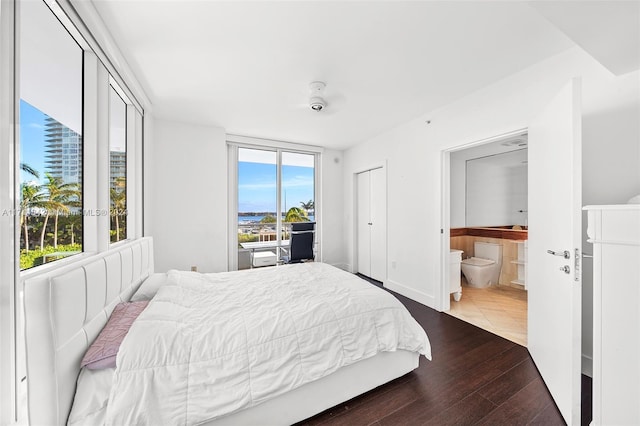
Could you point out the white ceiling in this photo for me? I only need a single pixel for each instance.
(495, 149)
(245, 66)
(609, 30)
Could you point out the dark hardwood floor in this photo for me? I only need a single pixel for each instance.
(475, 377)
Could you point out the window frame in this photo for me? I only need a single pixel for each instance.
(101, 58)
(113, 85)
(80, 41)
(234, 143)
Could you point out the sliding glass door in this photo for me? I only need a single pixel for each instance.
(274, 188)
(257, 201)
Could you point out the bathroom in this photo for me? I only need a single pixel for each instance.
(488, 236)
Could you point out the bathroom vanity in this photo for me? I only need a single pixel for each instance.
(455, 288)
(614, 232)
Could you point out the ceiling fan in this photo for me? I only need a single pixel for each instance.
(318, 99)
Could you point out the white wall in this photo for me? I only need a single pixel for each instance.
(186, 196)
(414, 150)
(495, 192)
(458, 191)
(611, 175)
(331, 207)
(186, 205)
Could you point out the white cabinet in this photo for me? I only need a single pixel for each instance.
(455, 257)
(615, 234)
(372, 223)
(521, 261)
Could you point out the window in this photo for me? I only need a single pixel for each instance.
(298, 188)
(51, 83)
(274, 188)
(117, 166)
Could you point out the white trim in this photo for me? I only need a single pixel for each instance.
(443, 302)
(90, 150)
(62, 16)
(251, 142)
(612, 207)
(442, 290)
(132, 167)
(317, 200)
(9, 150)
(102, 170)
(479, 142)
(89, 24)
(411, 293)
(137, 201)
(232, 199)
(118, 89)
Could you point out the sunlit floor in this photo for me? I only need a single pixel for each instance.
(501, 310)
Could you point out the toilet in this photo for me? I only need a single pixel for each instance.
(483, 269)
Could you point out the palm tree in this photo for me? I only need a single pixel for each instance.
(73, 224)
(30, 197)
(296, 214)
(59, 196)
(118, 202)
(27, 168)
(309, 205)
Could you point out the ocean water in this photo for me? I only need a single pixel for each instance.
(257, 218)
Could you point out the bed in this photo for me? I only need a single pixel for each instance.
(57, 339)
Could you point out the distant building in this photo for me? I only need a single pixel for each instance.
(118, 166)
(63, 152)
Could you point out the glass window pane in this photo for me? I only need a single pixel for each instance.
(117, 166)
(298, 203)
(257, 213)
(50, 138)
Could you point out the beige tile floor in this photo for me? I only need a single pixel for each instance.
(501, 310)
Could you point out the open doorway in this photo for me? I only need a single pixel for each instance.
(488, 233)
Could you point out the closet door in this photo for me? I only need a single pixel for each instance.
(378, 221)
(363, 220)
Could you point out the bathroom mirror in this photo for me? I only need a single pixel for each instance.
(488, 184)
(496, 190)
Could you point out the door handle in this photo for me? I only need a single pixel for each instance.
(566, 269)
(564, 253)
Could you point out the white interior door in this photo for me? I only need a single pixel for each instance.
(363, 221)
(555, 197)
(378, 216)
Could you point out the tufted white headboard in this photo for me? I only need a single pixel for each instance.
(64, 311)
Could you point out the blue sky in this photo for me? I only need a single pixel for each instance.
(257, 186)
(31, 140)
(256, 181)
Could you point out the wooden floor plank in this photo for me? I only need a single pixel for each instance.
(465, 412)
(388, 402)
(521, 408)
(505, 386)
(475, 377)
(549, 416)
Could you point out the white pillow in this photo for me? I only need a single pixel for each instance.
(150, 287)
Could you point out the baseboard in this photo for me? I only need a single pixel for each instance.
(343, 266)
(587, 365)
(411, 293)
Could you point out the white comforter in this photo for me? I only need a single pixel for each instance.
(213, 344)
